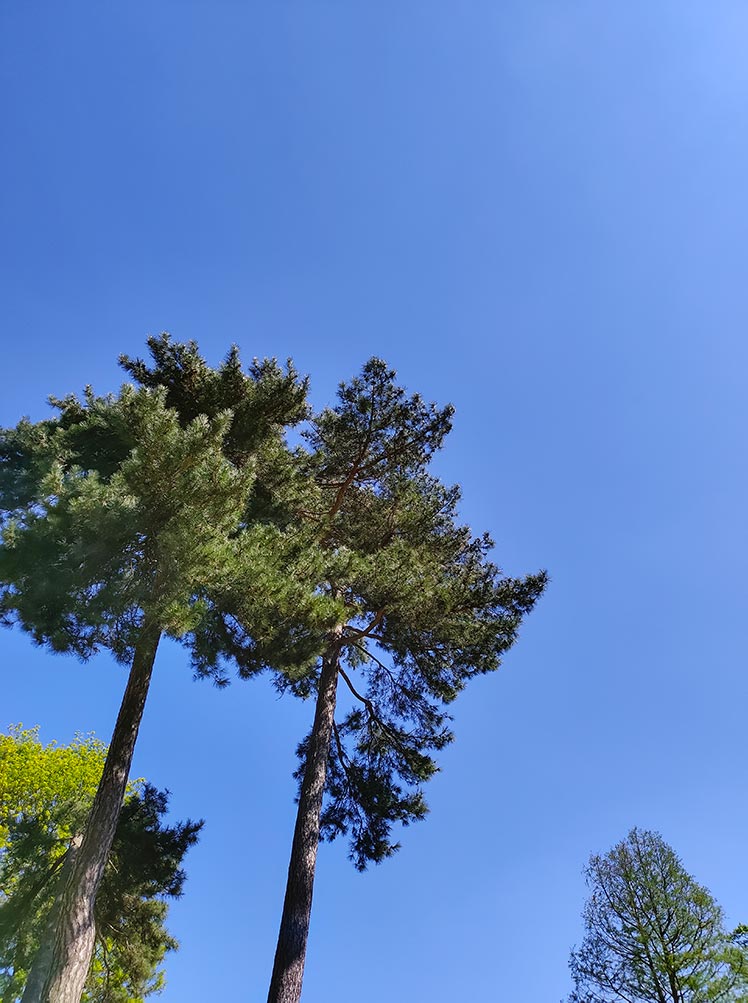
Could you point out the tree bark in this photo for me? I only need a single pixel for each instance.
(290, 954)
(43, 959)
(72, 941)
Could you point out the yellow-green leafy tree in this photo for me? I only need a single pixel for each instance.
(46, 792)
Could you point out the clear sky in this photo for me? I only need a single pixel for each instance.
(535, 210)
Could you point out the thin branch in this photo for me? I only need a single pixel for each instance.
(396, 738)
(341, 492)
(385, 668)
(358, 634)
(344, 761)
(355, 692)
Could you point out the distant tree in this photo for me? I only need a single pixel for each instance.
(653, 934)
(45, 794)
(121, 520)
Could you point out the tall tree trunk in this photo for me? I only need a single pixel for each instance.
(290, 954)
(73, 937)
(43, 958)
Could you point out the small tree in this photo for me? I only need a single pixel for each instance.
(45, 794)
(121, 520)
(652, 933)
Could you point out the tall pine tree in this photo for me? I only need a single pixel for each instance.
(425, 611)
(122, 521)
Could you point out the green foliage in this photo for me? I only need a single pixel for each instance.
(144, 867)
(426, 609)
(367, 546)
(262, 402)
(181, 497)
(123, 518)
(46, 781)
(134, 509)
(268, 613)
(112, 546)
(653, 934)
(45, 795)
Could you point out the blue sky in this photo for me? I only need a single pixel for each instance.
(535, 210)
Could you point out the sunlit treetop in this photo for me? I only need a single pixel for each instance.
(42, 780)
(418, 605)
(122, 508)
(427, 609)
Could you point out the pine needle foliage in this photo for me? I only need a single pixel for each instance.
(263, 403)
(348, 565)
(426, 608)
(129, 512)
(415, 602)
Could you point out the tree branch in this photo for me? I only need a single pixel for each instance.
(358, 634)
(395, 737)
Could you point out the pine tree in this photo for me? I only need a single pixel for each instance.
(653, 934)
(425, 611)
(122, 521)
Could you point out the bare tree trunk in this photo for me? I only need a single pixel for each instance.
(72, 944)
(43, 958)
(290, 954)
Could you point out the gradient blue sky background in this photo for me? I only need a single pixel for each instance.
(535, 210)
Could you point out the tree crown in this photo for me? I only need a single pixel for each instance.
(653, 934)
(122, 508)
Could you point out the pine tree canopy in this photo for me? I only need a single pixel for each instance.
(122, 508)
(417, 606)
(427, 609)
